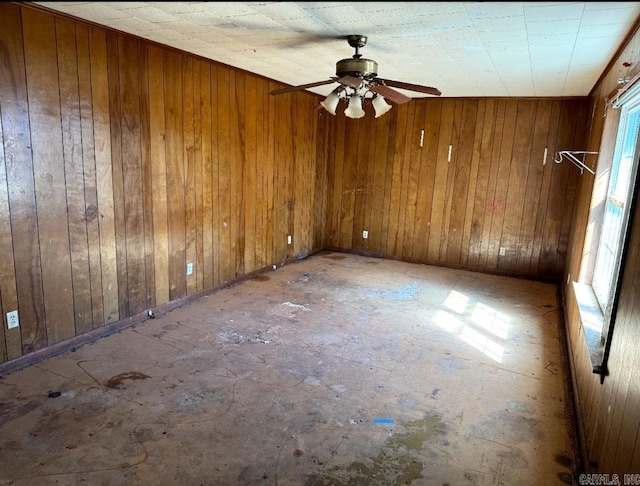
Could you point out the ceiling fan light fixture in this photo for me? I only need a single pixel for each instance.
(380, 105)
(359, 82)
(354, 110)
(330, 103)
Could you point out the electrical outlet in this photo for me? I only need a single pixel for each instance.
(503, 251)
(365, 234)
(12, 319)
(189, 268)
(288, 239)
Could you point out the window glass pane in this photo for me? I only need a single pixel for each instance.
(616, 210)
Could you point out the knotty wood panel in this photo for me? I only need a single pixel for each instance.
(43, 92)
(205, 262)
(495, 191)
(89, 179)
(176, 186)
(21, 284)
(146, 238)
(122, 160)
(132, 181)
(105, 210)
(198, 133)
(158, 174)
(227, 260)
(74, 173)
(189, 104)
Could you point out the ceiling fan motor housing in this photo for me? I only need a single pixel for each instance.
(362, 68)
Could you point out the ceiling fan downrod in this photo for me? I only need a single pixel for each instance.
(356, 66)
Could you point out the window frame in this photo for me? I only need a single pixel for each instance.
(598, 323)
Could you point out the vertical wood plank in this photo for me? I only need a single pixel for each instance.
(198, 168)
(577, 136)
(403, 152)
(236, 103)
(499, 199)
(22, 278)
(147, 178)
(227, 257)
(248, 145)
(261, 161)
(91, 213)
(281, 178)
(413, 212)
(461, 170)
(439, 201)
(532, 191)
(397, 177)
(189, 164)
(48, 164)
(115, 119)
(129, 83)
(104, 177)
(303, 187)
(479, 214)
(360, 181)
(369, 190)
(74, 175)
(269, 170)
(8, 296)
(336, 176)
(157, 152)
(321, 181)
(215, 178)
(375, 206)
(541, 216)
(492, 204)
(556, 199)
(174, 156)
(448, 232)
(473, 182)
(517, 183)
(349, 181)
(428, 160)
(208, 243)
(387, 215)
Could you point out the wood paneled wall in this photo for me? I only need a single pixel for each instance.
(478, 182)
(122, 161)
(608, 412)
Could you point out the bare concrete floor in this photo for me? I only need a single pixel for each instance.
(335, 370)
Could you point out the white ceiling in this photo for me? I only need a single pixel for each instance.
(465, 49)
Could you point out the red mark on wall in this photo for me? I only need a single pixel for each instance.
(494, 206)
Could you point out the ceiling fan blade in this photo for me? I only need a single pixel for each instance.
(300, 38)
(302, 86)
(411, 87)
(389, 93)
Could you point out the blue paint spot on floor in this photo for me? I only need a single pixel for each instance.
(383, 421)
(405, 293)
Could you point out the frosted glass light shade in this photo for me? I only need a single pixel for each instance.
(354, 110)
(380, 105)
(330, 103)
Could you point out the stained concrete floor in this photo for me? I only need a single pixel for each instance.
(337, 369)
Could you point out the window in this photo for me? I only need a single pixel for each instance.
(611, 206)
(616, 210)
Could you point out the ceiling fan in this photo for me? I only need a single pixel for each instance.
(357, 78)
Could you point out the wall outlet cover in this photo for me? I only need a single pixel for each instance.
(12, 319)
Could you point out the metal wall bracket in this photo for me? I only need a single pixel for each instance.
(576, 157)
